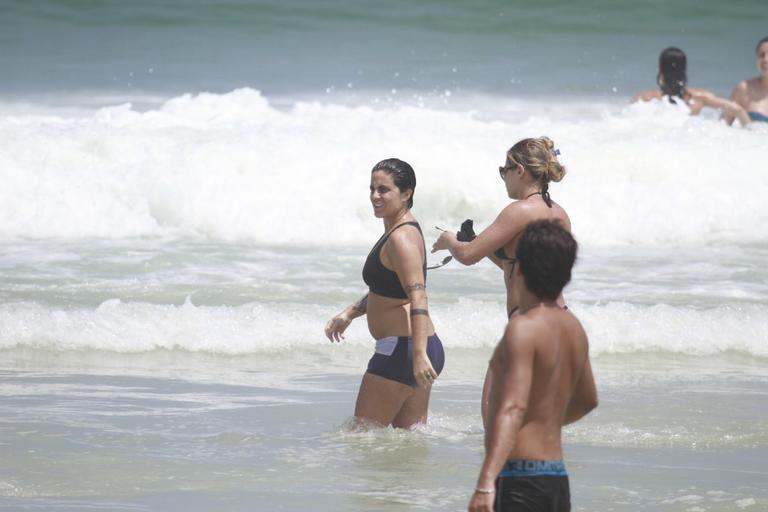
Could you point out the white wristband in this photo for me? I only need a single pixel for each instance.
(484, 491)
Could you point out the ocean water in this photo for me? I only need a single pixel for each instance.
(184, 203)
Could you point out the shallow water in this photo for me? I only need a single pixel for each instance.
(179, 431)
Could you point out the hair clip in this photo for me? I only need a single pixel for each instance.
(555, 152)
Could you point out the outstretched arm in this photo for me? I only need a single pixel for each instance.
(334, 329)
(730, 109)
(504, 228)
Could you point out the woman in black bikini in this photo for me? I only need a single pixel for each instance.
(409, 356)
(530, 166)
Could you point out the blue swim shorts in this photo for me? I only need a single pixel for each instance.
(533, 486)
(393, 359)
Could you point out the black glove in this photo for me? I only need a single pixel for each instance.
(466, 233)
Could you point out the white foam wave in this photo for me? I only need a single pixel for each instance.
(257, 328)
(233, 166)
(623, 328)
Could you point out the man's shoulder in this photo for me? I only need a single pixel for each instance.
(526, 328)
(523, 330)
(520, 329)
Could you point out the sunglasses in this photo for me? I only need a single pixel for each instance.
(503, 170)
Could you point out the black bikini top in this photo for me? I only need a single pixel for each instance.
(502, 255)
(380, 279)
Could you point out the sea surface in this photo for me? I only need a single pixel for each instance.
(184, 203)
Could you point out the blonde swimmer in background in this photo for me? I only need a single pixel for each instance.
(541, 380)
(409, 356)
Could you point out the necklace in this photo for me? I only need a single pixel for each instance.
(532, 194)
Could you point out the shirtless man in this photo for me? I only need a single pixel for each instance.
(752, 94)
(542, 380)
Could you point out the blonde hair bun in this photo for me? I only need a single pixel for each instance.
(539, 157)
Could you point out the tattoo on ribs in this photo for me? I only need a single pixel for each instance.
(415, 312)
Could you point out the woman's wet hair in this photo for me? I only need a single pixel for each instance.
(672, 77)
(546, 253)
(539, 157)
(760, 43)
(402, 175)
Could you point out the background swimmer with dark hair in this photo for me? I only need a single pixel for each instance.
(672, 80)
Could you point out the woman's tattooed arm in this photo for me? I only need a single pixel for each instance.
(361, 307)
